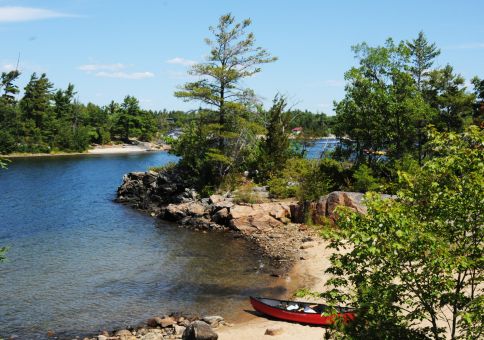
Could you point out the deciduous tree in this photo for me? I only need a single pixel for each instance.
(419, 257)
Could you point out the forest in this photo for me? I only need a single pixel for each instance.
(48, 120)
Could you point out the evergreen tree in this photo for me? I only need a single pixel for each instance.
(233, 58)
(9, 119)
(478, 116)
(445, 91)
(423, 55)
(36, 110)
(275, 148)
(9, 89)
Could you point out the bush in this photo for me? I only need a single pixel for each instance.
(288, 182)
(245, 194)
(170, 166)
(314, 184)
(364, 180)
(280, 188)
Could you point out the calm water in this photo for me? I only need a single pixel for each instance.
(321, 147)
(79, 262)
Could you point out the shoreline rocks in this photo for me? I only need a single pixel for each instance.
(168, 327)
(275, 226)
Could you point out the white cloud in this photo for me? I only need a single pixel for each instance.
(181, 61)
(18, 14)
(125, 75)
(7, 67)
(101, 67)
(114, 71)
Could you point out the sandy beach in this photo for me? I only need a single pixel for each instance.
(309, 273)
(119, 149)
(98, 150)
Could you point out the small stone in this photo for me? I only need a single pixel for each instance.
(153, 322)
(152, 336)
(50, 333)
(166, 322)
(123, 332)
(179, 329)
(213, 321)
(199, 330)
(154, 330)
(307, 245)
(101, 337)
(274, 331)
(184, 323)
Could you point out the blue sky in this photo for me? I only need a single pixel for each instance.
(112, 48)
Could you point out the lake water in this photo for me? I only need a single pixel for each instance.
(79, 263)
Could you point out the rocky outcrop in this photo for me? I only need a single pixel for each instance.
(151, 190)
(324, 209)
(258, 217)
(274, 226)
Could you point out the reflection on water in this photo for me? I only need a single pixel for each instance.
(79, 262)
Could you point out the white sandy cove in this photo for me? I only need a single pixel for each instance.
(102, 150)
(308, 273)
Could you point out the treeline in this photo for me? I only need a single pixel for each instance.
(395, 93)
(48, 120)
(394, 98)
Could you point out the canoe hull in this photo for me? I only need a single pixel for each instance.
(300, 317)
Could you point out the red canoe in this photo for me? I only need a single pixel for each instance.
(302, 312)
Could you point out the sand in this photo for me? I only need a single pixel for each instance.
(307, 273)
(117, 149)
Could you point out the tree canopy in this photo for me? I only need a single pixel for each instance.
(419, 256)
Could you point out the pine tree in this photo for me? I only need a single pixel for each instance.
(423, 55)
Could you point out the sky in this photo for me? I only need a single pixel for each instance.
(112, 48)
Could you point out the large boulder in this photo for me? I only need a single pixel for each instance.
(259, 217)
(199, 330)
(324, 209)
(176, 212)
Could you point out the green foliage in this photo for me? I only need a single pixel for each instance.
(45, 120)
(392, 96)
(170, 166)
(314, 184)
(478, 106)
(220, 138)
(280, 187)
(305, 292)
(410, 258)
(288, 182)
(313, 124)
(275, 147)
(246, 194)
(446, 93)
(3, 251)
(423, 55)
(382, 106)
(364, 180)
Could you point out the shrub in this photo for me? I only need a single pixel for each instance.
(245, 194)
(170, 166)
(364, 180)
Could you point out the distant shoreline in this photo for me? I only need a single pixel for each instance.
(98, 150)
